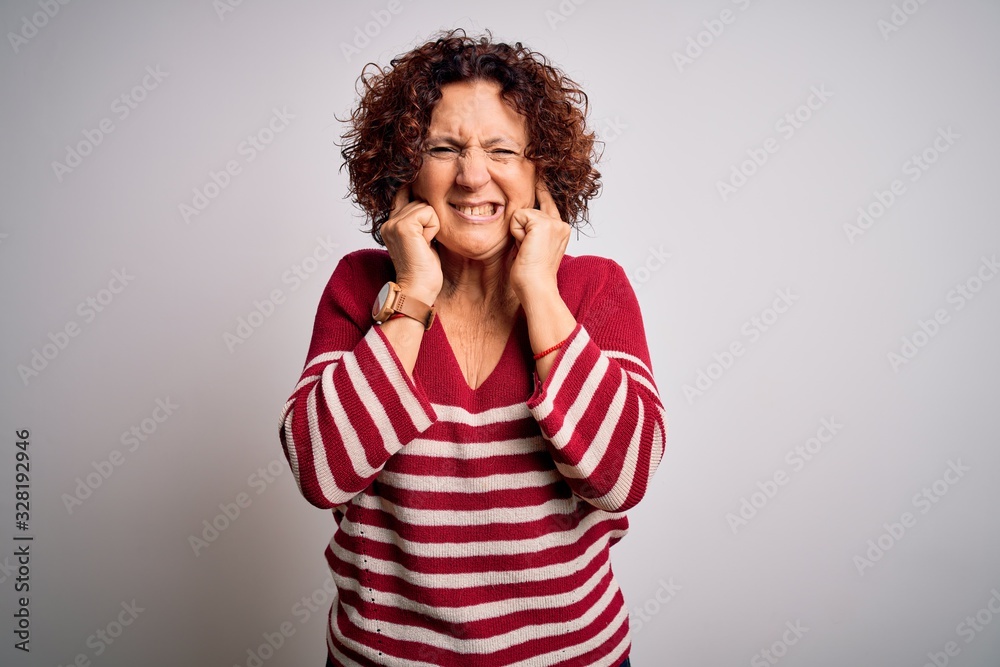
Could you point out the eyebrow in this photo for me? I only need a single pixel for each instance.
(492, 141)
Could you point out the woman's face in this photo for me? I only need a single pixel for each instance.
(474, 172)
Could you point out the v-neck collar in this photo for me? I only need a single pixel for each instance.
(500, 362)
(440, 366)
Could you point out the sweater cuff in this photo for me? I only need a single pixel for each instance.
(393, 368)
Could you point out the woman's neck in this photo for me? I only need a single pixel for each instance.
(473, 284)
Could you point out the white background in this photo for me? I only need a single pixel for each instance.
(675, 130)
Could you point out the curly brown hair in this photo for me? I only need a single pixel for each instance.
(383, 147)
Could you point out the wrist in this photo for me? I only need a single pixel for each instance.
(418, 292)
(394, 299)
(401, 322)
(550, 322)
(540, 300)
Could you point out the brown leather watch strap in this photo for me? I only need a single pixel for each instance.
(414, 308)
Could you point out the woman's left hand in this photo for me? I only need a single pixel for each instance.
(540, 240)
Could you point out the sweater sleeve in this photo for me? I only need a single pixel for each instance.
(599, 409)
(354, 405)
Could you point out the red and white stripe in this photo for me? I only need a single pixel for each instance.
(475, 538)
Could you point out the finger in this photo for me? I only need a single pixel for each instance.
(430, 223)
(518, 227)
(545, 201)
(401, 199)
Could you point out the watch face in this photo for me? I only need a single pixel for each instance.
(380, 300)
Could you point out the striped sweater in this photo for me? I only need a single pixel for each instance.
(474, 524)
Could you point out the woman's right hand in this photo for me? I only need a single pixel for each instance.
(407, 235)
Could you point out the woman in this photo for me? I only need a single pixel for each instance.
(476, 407)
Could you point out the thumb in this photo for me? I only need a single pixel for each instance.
(401, 199)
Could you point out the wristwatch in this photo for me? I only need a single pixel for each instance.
(391, 300)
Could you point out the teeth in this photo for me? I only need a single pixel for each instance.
(486, 209)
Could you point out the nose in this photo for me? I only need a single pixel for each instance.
(473, 169)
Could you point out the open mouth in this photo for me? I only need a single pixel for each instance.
(488, 211)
